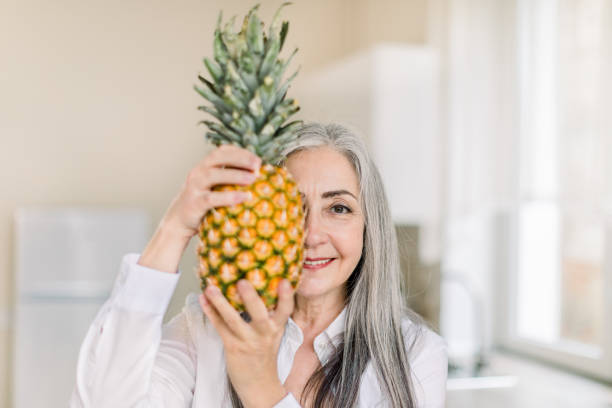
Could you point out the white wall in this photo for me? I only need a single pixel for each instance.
(390, 93)
(476, 39)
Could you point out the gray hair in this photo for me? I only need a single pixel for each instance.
(375, 305)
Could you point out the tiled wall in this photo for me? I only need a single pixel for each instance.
(422, 280)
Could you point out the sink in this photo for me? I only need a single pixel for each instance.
(479, 377)
(475, 383)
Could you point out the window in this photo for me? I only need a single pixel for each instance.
(562, 244)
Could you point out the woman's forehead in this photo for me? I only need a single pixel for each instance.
(323, 169)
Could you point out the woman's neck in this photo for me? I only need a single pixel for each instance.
(314, 315)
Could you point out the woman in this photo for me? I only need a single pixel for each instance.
(344, 338)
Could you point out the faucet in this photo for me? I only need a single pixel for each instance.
(480, 360)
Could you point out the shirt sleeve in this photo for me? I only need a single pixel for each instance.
(127, 359)
(430, 370)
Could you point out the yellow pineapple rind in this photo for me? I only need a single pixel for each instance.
(259, 240)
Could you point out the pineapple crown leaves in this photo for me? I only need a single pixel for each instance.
(248, 97)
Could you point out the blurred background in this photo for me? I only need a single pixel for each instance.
(489, 119)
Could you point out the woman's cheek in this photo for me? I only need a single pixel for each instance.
(352, 240)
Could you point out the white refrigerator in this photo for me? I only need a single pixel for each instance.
(66, 260)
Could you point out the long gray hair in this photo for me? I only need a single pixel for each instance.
(375, 305)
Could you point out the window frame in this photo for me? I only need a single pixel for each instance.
(565, 353)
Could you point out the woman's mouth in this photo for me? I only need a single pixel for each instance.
(317, 263)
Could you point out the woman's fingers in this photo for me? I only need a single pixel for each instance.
(232, 318)
(254, 305)
(216, 176)
(202, 178)
(227, 164)
(224, 165)
(233, 156)
(215, 318)
(211, 199)
(215, 305)
(285, 304)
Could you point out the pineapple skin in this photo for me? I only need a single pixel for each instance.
(260, 240)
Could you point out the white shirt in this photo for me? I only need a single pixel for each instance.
(128, 359)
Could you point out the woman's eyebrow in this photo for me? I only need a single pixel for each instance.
(329, 194)
(335, 193)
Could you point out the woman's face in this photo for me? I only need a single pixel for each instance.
(334, 222)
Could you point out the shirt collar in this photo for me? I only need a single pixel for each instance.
(331, 335)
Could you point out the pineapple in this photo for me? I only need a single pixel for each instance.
(261, 239)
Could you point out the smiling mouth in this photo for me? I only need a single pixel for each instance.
(318, 263)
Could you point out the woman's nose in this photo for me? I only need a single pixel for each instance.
(314, 231)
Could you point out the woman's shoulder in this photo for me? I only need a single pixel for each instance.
(193, 314)
(428, 355)
(421, 341)
(427, 358)
(192, 305)
(189, 320)
(190, 326)
(197, 321)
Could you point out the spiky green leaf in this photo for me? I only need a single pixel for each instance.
(280, 66)
(220, 51)
(276, 20)
(256, 108)
(213, 98)
(236, 78)
(216, 138)
(223, 117)
(214, 69)
(288, 132)
(283, 33)
(250, 139)
(232, 100)
(269, 59)
(282, 91)
(246, 89)
(213, 87)
(255, 34)
(243, 124)
(224, 131)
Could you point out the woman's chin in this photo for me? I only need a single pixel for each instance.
(314, 288)
(309, 289)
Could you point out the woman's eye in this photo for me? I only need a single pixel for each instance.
(341, 209)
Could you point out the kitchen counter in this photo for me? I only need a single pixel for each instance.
(524, 383)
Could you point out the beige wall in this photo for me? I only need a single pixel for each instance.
(371, 21)
(97, 106)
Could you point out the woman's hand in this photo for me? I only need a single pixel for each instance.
(251, 349)
(227, 164)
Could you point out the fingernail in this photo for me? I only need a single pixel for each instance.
(286, 286)
(213, 290)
